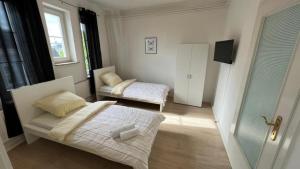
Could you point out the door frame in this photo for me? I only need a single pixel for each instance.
(246, 87)
(262, 14)
(289, 138)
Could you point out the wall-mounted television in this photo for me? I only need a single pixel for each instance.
(224, 51)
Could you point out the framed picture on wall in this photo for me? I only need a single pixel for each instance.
(151, 45)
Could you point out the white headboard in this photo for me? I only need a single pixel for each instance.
(25, 97)
(98, 73)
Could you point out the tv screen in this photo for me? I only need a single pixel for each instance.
(224, 51)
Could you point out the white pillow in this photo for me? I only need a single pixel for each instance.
(111, 79)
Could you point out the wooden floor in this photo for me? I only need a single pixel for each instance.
(187, 139)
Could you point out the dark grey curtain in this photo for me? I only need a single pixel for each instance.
(32, 39)
(12, 72)
(24, 54)
(89, 19)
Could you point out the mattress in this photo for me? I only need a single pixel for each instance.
(48, 121)
(106, 89)
(149, 92)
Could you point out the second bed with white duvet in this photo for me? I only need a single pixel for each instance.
(156, 93)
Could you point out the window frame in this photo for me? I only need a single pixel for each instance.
(63, 24)
(85, 49)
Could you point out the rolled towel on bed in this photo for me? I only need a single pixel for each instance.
(116, 132)
(129, 134)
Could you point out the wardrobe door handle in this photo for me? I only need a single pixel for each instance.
(190, 76)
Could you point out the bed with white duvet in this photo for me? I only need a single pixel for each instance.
(89, 128)
(131, 89)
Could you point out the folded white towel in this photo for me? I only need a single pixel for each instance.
(116, 132)
(129, 134)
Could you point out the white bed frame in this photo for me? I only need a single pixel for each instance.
(24, 99)
(99, 94)
(26, 96)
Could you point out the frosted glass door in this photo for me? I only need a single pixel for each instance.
(275, 50)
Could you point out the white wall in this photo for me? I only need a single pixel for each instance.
(239, 26)
(171, 29)
(4, 160)
(3, 134)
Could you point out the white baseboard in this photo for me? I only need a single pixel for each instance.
(14, 142)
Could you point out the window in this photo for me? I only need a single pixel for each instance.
(56, 26)
(85, 49)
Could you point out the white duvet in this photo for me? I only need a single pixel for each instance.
(147, 91)
(94, 135)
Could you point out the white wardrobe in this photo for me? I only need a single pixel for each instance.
(191, 64)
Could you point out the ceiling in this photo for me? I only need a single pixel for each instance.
(135, 4)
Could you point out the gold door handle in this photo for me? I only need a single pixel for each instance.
(276, 126)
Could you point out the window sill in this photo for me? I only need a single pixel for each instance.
(65, 63)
